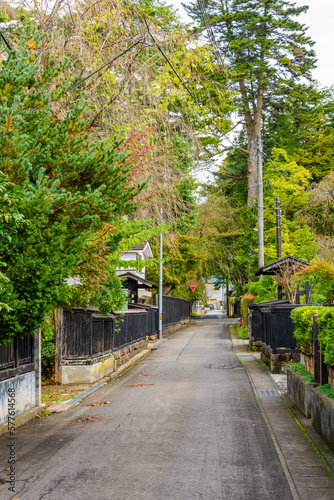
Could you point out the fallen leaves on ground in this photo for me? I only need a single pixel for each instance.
(154, 374)
(139, 385)
(87, 419)
(98, 404)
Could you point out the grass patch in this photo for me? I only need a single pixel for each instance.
(300, 369)
(241, 332)
(326, 390)
(55, 394)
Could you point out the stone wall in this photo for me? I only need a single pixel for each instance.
(124, 354)
(278, 363)
(322, 416)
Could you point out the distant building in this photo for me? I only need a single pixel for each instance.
(214, 297)
(140, 289)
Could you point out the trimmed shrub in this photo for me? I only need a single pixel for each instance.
(245, 301)
(302, 318)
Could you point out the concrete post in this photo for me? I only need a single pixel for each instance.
(38, 366)
(58, 344)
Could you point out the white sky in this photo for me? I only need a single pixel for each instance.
(319, 18)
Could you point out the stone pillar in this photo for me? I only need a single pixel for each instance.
(58, 345)
(38, 367)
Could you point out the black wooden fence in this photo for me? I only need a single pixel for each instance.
(272, 324)
(130, 327)
(17, 357)
(257, 318)
(86, 335)
(174, 310)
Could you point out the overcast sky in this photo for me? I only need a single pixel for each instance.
(319, 18)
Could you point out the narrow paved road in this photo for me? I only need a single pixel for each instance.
(182, 425)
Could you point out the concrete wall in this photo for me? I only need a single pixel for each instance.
(322, 416)
(300, 392)
(313, 405)
(27, 389)
(25, 394)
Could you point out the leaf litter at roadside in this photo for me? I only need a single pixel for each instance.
(86, 420)
(139, 385)
(98, 404)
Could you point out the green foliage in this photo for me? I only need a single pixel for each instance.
(48, 350)
(242, 332)
(302, 318)
(321, 277)
(325, 321)
(245, 301)
(68, 185)
(326, 390)
(264, 290)
(300, 369)
(301, 123)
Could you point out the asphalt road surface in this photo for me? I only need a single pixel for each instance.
(182, 425)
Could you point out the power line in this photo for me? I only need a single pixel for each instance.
(211, 35)
(141, 40)
(187, 89)
(5, 40)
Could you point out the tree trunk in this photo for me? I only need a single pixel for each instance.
(253, 133)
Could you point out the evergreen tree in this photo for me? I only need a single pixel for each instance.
(267, 51)
(68, 185)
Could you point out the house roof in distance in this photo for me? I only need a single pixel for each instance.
(274, 267)
(144, 247)
(137, 281)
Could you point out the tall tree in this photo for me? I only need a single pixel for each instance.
(267, 51)
(64, 183)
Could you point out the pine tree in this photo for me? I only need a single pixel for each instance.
(267, 51)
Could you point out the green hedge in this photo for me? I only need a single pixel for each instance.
(302, 319)
(326, 334)
(245, 301)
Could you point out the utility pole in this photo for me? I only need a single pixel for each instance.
(279, 241)
(160, 286)
(278, 229)
(260, 204)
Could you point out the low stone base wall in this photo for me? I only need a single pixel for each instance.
(86, 374)
(300, 392)
(322, 416)
(254, 343)
(23, 390)
(278, 363)
(174, 328)
(124, 354)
